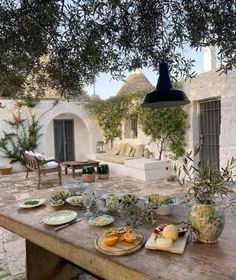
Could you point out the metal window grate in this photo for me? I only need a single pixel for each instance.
(210, 119)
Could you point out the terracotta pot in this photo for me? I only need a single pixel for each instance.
(207, 222)
(103, 176)
(5, 170)
(88, 177)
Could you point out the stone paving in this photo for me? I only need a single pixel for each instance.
(17, 187)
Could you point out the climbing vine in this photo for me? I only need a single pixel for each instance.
(165, 127)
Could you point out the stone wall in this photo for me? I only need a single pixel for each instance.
(210, 85)
(86, 132)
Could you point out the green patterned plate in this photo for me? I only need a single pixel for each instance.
(32, 202)
(101, 220)
(60, 217)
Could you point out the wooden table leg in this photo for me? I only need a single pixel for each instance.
(73, 171)
(42, 264)
(66, 170)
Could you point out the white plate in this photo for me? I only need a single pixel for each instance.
(24, 204)
(75, 200)
(60, 217)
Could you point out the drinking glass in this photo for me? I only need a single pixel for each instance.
(88, 197)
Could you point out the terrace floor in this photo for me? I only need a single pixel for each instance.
(17, 187)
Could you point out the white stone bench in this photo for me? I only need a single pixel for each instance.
(148, 169)
(142, 168)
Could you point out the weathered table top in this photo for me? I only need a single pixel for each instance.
(75, 243)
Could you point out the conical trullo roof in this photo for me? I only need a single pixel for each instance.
(136, 81)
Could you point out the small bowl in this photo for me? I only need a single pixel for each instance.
(164, 210)
(75, 200)
(57, 205)
(75, 187)
(162, 206)
(59, 195)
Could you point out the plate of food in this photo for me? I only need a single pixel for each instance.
(100, 220)
(59, 195)
(60, 217)
(119, 241)
(76, 200)
(32, 202)
(167, 237)
(162, 205)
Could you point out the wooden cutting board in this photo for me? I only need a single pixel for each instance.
(120, 248)
(177, 246)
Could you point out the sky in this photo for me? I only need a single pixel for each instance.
(105, 86)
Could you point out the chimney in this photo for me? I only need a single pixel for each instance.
(209, 58)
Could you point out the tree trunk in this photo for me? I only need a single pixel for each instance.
(161, 148)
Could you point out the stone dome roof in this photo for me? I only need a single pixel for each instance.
(136, 81)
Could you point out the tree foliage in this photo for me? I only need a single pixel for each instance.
(166, 127)
(109, 114)
(83, 38)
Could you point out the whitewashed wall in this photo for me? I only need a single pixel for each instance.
(86, 131)
(210, 85)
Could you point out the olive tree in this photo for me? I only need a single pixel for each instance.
(81, 38)
(166, 127)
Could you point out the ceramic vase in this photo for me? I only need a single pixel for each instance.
(207, 222)
(88, 174)
(103, 171)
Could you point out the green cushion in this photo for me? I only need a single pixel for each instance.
(4, 275)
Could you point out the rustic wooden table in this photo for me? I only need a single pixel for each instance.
(79, 165)
(48, 252)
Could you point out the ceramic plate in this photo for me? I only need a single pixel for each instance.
(75, 200)
(101, 220)
(32, 202)
(60, 217)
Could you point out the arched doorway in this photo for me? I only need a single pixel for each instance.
(67, 138)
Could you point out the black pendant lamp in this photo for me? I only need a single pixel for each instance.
(164, 95)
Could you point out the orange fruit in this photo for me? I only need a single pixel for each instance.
(109, 241)
(129, 237)
(121, 237)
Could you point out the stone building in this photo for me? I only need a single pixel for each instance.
(212, 122)
(68, 131)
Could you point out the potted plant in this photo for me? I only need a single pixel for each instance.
(207, 184)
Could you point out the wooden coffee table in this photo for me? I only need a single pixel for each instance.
(79, 165)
